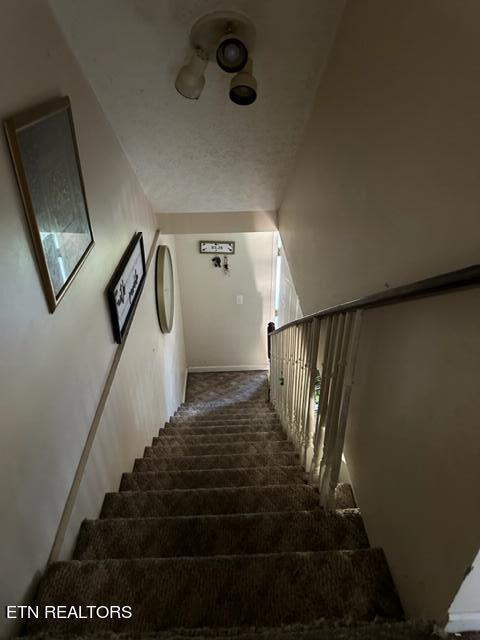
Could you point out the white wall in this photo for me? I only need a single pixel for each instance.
(289, 307)
(464, 612)
(53, 367)
(385, 192)
(218, 331)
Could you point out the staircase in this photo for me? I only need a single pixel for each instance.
(215, 533)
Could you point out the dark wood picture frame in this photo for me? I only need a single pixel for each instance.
(45, 156)
(117, 287)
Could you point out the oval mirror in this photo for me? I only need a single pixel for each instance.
(164, 288)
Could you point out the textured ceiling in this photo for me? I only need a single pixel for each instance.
(205, 155)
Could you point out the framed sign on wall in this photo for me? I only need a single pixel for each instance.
(45, 156)
(125, 287)
(220, 246)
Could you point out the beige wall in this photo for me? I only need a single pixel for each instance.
(413, 444)
(218, 331)
(215, 222)
(53, 367)
(386, 185)
(386, 191)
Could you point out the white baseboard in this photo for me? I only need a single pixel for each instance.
(460, 622)
(234, 367)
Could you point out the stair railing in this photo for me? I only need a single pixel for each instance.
(312, 369)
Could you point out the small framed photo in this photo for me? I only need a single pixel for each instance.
(125, 287)
(45, 156)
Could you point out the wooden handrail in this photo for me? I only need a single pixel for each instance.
(444, 283)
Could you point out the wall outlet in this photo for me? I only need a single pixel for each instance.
(239, 299)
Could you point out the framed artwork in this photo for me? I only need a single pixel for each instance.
(125, 287)
(45, 156)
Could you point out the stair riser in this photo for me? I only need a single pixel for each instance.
(221, 535)
(157, 504)
(219, 429)
(146, 478)
(238, 404)
(242, 591)
(224, 414)
(172, 436)
(183, 463)
(223, 422)
(247, 448)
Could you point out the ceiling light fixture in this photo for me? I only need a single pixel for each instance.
(243, 88)
(191, 79)
(232, 54)
(228, 37)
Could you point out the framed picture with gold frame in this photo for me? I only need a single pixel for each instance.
(45, 155)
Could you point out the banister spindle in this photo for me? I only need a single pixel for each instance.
(331, 331)
(310, 389)
(330, 480)
(331, 423)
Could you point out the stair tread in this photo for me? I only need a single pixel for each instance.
(321, 630)
(256, 499)
(199, 463)
(170, 429)
(226, 415)
(224, 421)
(217, 437)
(234, 461)
(263, 589)
(187, 449)
(220, 534)
(147, 476)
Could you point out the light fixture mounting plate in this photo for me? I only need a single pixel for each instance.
(208, 30)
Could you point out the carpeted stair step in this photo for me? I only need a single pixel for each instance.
(225, 409)
(260, 499)
(211, 422)
(322, 630)
(344, 498)
(215, 411)
(220, 535)
(220, 403)
(232, 448)
(147, 478)
(218, 430)
(234, 461)
(233, 415)
(258, 590)
(260, 425)
(172, 436)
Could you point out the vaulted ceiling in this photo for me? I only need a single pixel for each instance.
(205, 155)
